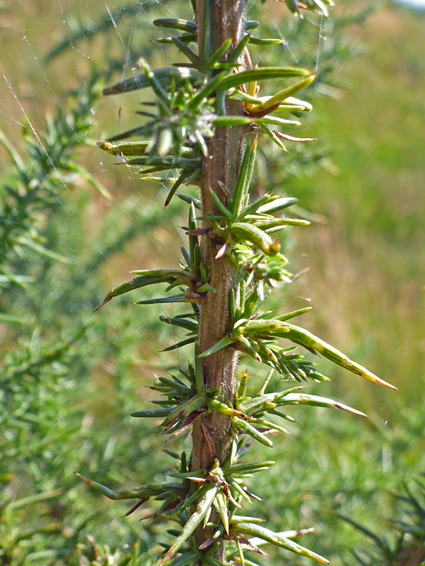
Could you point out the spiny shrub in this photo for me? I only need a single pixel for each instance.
(202, 128)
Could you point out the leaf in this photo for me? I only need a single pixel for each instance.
(154, 413)
(185, 37)
(182, 322)
(293, 314)
(243, 231)
(140, 492)
(272, 135)
(250, 25)
(237, 52)
(220, 503)
(292, 138)
(286, 92)
(276, 205)
(254, 207)
(320, 6)
(280, 224)
(221, 121)
(247, 428)
(156, 86)
(176, 23)
(242, 386)
(280, 121)
(249, 348)
(261, 74)
(193, 522)
(224, 409)
(167, 162)
(244, 519)
(215, 57)
(244, 178)
(189, 200)
(239, 550)
(246, 469)
(206, 91)
(275, 538)
(184, 175)
(144, 278)
(268, 425)
(179, 344)
(293, 7)
(265, 41)
(264, 402)
(184, 409)
(296, 104)
(186, 51)
(308, 340)
(198, 371)
(16, 158)
(163, 76)
(180, 298)
(225, 341)
(221, 207)
(305, 399)
(144, 130)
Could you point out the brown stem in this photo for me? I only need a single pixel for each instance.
(220, 168)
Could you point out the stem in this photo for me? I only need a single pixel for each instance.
(221, 166)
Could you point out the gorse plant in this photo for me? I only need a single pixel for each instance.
(206, 119)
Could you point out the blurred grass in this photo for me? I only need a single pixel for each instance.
(374, 238)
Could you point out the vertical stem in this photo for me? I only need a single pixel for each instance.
(221, 166)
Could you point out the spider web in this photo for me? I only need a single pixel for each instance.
(30, 86)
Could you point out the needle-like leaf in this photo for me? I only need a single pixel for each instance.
(274, 538)
(193, 522)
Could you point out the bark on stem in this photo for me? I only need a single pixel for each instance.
(221, 166)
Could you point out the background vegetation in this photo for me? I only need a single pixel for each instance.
(69, 378)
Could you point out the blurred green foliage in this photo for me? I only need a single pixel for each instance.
(69, 379)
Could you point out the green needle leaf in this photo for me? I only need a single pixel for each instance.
(308, 340)
(164, 76)
(305, 399)
(221, 207)
(180, 298)
(193, 522)
(186, 51)
(276, 205)
(176, 185)
(154, 413)
(226, 341)
(144, 278)
(243, 231)
(261, 74)
(286, 92)
(220, 503)
(176, 23)
(244, 426)
(215, 57)
(144, 491)
(244, 177)
(275, 538)
(265, 41)
(272, 135)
